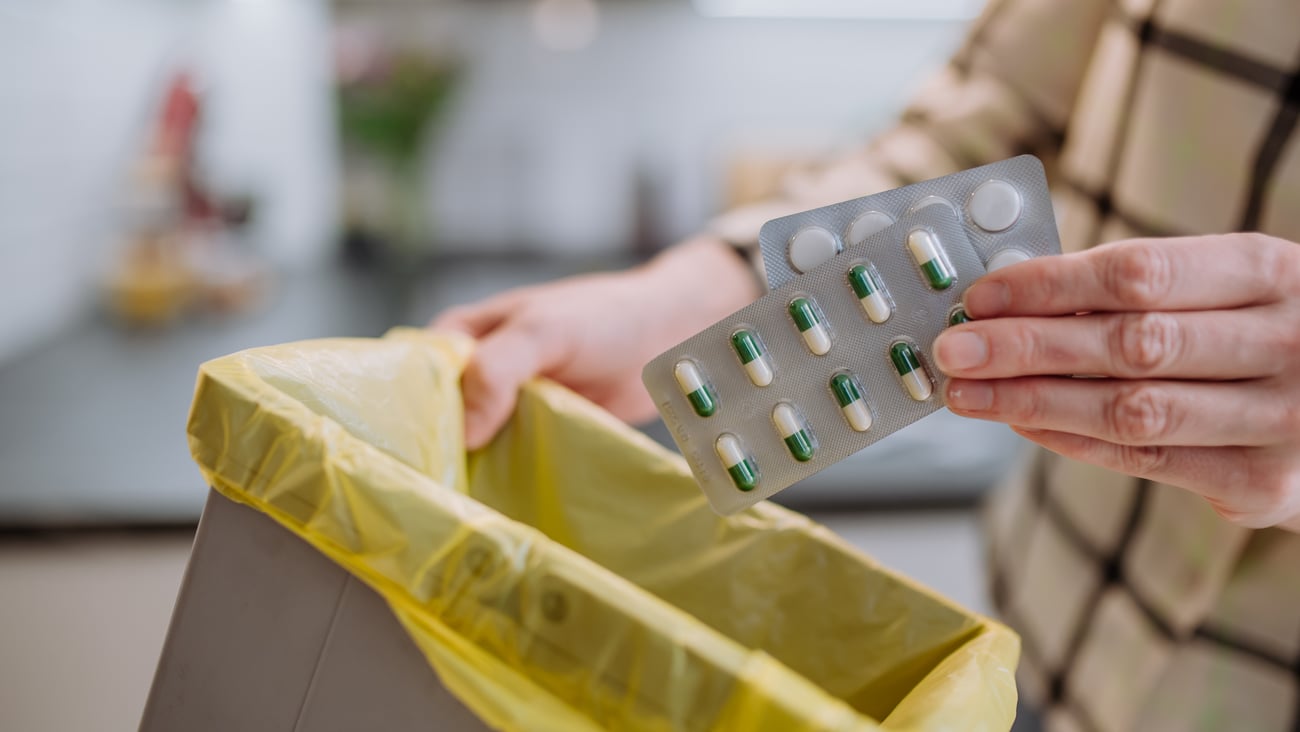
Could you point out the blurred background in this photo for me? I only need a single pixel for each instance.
(183, 179)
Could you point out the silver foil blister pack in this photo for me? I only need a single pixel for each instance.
(1005, 207)
(793, 415)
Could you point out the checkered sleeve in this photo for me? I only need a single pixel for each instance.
(1008, 90)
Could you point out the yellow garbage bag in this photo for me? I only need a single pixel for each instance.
(571, 576)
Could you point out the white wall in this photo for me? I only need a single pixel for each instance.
(79, 86)
(541, 148)
(542, 145)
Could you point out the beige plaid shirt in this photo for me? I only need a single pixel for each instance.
(1139, 607)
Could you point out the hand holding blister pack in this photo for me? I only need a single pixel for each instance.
(837, 357)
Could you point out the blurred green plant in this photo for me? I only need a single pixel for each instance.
(387, 112)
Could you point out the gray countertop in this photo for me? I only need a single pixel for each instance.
(92, 424)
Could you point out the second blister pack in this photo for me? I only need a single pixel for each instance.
(1005, 208)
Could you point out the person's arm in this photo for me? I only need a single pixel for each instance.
(1196, 341)
(1009, 90)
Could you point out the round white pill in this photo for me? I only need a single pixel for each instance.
(995, 205)
(1006, 258)
(812, 246)
(932, 201)
(867, 224)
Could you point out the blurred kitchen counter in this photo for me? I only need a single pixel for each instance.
(92, 424)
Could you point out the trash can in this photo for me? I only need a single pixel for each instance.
(569, 576)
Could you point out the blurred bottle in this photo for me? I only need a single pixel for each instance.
(183, 249)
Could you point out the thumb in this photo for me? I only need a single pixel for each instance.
(503, 361)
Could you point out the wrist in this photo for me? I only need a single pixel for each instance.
(692, 286)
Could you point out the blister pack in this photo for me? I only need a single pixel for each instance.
(1005, 207)
(820, 367)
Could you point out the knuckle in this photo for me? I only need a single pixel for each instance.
(1046, 288)
(1142, 460)
(1138, 276)
(1028, 405)
(1029, 349)
(1140, 415)
(1146, 343)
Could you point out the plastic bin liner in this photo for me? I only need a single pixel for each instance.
(570, 576)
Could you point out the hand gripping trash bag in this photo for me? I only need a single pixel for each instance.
(570, 576)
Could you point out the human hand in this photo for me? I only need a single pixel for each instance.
(1198, 341)
(592, 333)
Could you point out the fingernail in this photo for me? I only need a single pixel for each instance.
(987, 299)
(970, 396)
(960, 351)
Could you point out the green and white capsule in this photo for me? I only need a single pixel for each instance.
(928, 257)
(810, 325)
(911, 371)
(794, 431)
(852, 405)
(753, 357)
(958, 316)
(740, 466)
(866, 286)
(697, 390)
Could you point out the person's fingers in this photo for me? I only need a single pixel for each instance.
(502, 362)
(1192, 273)
(1218, 344)
(477, 319)
(1246, 485)
(1132, 412)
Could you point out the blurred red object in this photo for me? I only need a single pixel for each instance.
(179, 255)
